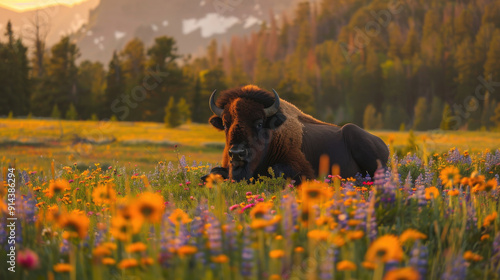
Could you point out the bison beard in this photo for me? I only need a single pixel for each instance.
(264, 131)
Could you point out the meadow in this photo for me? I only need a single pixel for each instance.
(124, 201)
(143, 145)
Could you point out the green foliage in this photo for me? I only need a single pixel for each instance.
(372, 119)
(183, 110)
(172, 114)
(496, 118)
(411, 144)
(421, 115)
(71, 113)
(115, 88)
(320, 59)
(434, 118)
(56, 114)
(91, 89)
(60, 84)
(446, 118)
(15, 84)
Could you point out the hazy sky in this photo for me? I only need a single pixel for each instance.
(21, 5)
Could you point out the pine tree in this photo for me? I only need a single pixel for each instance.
(435, 113)
(59, 86)
(496, 117)
(482, 45)
(172, 114)
(71, 113)
(464, 25)
(411, 45)
(420, 115)
(115, 88)
(372, 120)
(91, 88)
(395, 40)
(15, 86)
(492, 14)
(446, 118)
(464, 65)
(492, 65)
(183, 111)
(56, 114)
(169, 79)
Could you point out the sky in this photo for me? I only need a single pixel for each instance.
(23, 5)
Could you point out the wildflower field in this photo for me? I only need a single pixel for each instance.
(430, 215)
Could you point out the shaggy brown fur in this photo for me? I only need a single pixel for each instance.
(244, 106)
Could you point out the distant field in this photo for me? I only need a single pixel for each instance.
(35, 143)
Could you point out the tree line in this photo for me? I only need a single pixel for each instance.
(382, 64)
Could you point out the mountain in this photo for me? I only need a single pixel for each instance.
(101, 26)
(55, 21)
(192, 23)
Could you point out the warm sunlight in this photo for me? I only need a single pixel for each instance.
(23, 5)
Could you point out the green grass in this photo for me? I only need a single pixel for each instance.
(146, 144)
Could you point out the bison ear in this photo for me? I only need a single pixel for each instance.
(216, 121)
(275, 121)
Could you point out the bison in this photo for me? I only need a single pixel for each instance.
(264, 131)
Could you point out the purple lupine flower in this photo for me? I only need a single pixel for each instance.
(183, 235)
(28, 209)
(290, 211)
(495, 256)
(390, 265)
(419, 180)
(3, 234)
(19, 234)
(100, 236)
(411, 159)
(418, 260)
(387, 194)
(471, 217)
(326, 268)
(454, 157)
(419, 195)
(360, 214)
(492, 160)
(170, 167)
(247, 254)
(359, 178)
(409, 183)
(455, 269)
(379, 177)
(372, 226)
(230, 234)
(214, 237)
(64, 248)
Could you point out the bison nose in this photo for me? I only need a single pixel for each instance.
(237, 153)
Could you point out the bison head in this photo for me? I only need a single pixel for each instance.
(248, 116)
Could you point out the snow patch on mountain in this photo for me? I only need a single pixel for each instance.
(250, 21)
(119, 35)
(209, 25)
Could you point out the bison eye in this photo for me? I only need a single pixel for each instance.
(259, 124)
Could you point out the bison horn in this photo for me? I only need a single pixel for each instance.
(273, 109)
(216, 110)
